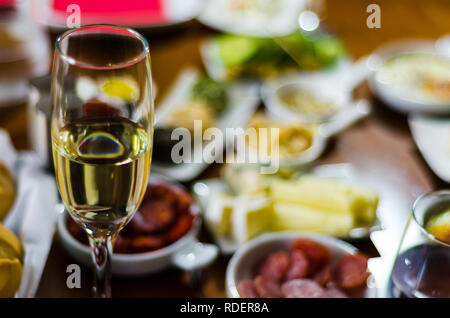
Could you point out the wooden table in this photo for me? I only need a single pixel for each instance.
(380, 147)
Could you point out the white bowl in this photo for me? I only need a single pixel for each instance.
(402, 102)
(321, 90)
(249, 255)
(186, 253)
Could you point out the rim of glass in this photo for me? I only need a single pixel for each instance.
(415, 206)
(130, 32)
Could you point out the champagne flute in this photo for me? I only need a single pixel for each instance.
(102, 132)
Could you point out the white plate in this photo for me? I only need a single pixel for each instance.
(402, 102)
(203, 190)
(244, 98)
(262, 18)
(432, 136)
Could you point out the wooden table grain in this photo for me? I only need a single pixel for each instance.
(380, 147)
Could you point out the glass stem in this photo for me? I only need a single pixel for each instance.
(101, 255)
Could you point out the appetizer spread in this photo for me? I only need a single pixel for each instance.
(262, 203)
(243, 56)
(7, 190)
(11, 255)
(307, 271)
(165, 215)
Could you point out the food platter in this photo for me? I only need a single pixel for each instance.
(204, 190)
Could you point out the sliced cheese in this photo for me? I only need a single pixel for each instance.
(251, 216)
(218, 213)
(328, 195)
(293, 217)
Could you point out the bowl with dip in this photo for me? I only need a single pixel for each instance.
(411, 76)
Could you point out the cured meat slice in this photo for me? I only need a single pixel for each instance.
(350, 271)
(181, 226)
(302, 288)
(334, 292)
(275, 265)
(246, 289)
(121, 245)
(323, 277)
(267, 287)
(184, 201)
(317, 254)
(298, 267)
(145, 243)
(156, 216)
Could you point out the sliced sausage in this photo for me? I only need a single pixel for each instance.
(246, 289)
(350, 271)
(181, 227)
(323, 277)
(275, 265)
(334, 292)
(156, 216)
(267, 287)
(298, 267)
(146, 243)
(317, 254)
(302, 288)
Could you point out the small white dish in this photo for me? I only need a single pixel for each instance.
(273, 90)
(243, 100)
(204, 189)
(187, 253)
(432, 136)
(332, 86)
(399, 99)
(318, 145)
(249, 255)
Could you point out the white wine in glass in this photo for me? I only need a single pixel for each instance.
(102, 128)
